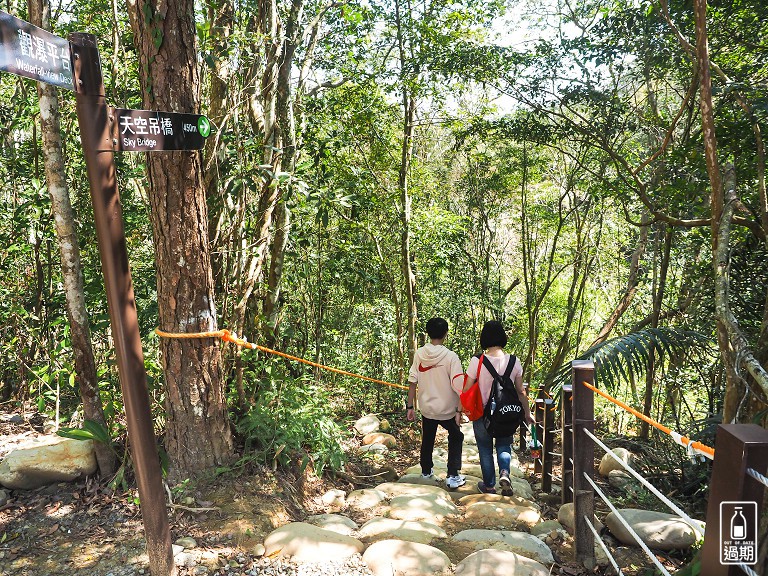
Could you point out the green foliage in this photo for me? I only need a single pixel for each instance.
(90, 431)
(625, 358)
(290, 424)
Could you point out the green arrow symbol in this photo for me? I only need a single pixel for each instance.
(204, 126)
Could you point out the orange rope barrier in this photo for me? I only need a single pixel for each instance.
(684, 440)
(228, 336)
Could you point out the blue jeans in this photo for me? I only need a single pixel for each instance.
(485, 450)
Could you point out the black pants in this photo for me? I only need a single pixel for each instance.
(455, 442)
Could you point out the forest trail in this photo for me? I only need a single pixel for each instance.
(416, 526)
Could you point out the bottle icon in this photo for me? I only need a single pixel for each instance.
(738, 525)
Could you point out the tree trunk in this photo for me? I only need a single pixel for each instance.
(658, 299)
(734, 387)
(632, 283)
(197, 431)
(409, 111)
(69, 248)
(405, 222)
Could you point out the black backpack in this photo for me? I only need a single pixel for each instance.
(503, 412)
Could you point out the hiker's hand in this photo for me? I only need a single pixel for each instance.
(530, 420)
(459, 418)
(410, 415)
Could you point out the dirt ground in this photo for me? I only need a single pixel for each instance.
(84, 528)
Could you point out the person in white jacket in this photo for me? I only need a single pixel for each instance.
(438, 376)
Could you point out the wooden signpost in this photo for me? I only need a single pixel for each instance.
(74, 64)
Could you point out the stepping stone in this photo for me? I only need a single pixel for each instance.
(474, 469)
(469, 453)
(517, 542)
(495, 514)
(334, 522)
(380, 438)
(514, 500)
(401, 488)
(396, 558)
(520, 487)
(429, 507)
(608, 462)
(546, 527)
(307, 543)
(365, 499)
(367, 424)
(499, 563)
(417, 478)
(391, 529)
(565, 517)
(334, 500)
(657, 529)
(439, 467)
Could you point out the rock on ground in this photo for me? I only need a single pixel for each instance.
(657, 529)
(429, 507)
(515, 500)
(620, 479)
(492, 514)
(367, 424)
(334, 500)
(398, 558)
(47, 460)
(365, 498)
(392, 489)
(565, 517)
(608, 462)
(499, 563)
(307, 543)
(546, 527)
(380, 438)
(517, 542)
(391, 529)
(334, 522)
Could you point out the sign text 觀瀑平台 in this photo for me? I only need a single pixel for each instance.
(29, 51)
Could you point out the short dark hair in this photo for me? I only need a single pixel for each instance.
(492, 334)
(437, 328)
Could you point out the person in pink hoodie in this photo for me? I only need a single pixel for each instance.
(435, 380)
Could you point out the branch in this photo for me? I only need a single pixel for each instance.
(743, 356)
(668, 136)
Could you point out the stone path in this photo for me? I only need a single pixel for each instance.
(412, 522)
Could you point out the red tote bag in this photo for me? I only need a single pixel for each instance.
(472, 400)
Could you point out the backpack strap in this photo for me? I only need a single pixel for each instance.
(489, 366)
(510, 366)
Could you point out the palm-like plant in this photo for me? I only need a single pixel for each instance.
(626, 358)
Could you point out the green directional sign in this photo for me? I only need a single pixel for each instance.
(155, 131)
(204, 126)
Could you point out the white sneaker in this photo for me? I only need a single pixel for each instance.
(431, 474)
(453, 482)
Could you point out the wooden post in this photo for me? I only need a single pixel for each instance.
(94, 116)
(549, 445)
(737, 448)
(567, 435)
(538, 464)
(523, 444)
(583, 461)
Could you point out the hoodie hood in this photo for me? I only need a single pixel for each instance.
(431, 354)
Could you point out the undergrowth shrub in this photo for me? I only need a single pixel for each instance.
(291, 421)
